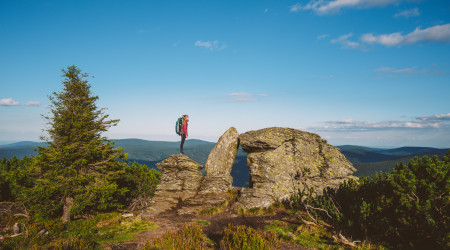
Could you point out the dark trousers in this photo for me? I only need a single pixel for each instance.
(183, 137)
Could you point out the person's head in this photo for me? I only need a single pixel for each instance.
(186, 117)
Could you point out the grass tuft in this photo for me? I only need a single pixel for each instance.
(188, 237)
(243, 237)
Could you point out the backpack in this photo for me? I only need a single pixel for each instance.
(179, 125)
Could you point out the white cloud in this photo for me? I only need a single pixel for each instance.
(400, 71)
(322, 37)
(211, 45)
(243, 97)
(32, 103)
(347, 44)
(438, 33)
(439, 121)
(436, 118)
(8, 102)
(408, 13)
(323, 7)
(240, 94)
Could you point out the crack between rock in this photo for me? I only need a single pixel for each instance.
(326, 165)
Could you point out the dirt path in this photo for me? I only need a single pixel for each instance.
(171, 221)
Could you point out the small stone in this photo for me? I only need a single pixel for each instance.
(16, 229)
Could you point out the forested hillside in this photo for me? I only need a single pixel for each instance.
(366, 160)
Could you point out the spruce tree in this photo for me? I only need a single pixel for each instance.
(79, 167)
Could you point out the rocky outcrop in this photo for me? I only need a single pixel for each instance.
(180, 180)
(283, 160)
(218, 180)
(222, 156)
(184, 187)
(219, 163)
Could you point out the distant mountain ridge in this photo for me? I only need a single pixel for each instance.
(367, 160)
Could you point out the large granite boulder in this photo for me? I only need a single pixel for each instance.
(282, 160)
(222, 156)
(219, 163)
(180, 180)
(218, 180)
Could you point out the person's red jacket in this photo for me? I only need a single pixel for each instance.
(184, 128)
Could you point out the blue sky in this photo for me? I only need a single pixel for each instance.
(365, 72)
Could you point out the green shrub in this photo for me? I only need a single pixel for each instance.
(242, 237)
(188, 237)
(406, 209)
(142, 183)
(54, 235)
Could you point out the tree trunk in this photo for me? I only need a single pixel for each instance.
(68, 203)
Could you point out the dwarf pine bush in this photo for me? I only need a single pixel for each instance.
(406, 209)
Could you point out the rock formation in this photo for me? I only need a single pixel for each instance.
(180, 180)
(282, 160)
(219, 163)
(183, 186)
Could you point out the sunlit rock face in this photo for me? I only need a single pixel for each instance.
(282, 160)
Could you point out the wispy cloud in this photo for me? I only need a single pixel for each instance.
(32, 103)
(244, 97)
(322, 37)
(211, 45)
(439, 121)
(347, 44)
(8, 102)
(400, 71)
(323, 7)
(408, 13)
(438, 34)
(241, 97)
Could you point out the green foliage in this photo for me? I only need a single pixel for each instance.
(242, 237)
(79, 169)
(258, 211)
(406, 209)
(77, 234)
(142, 183)
(15, 175)
(311, 237)
(188, 237)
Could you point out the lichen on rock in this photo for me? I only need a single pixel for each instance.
(279, 157)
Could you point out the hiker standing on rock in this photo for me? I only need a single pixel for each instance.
(184, 133)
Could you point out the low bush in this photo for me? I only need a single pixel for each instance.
(188, 237)
(77, 234)
(406, 209)
(242, 237)
(142, 183)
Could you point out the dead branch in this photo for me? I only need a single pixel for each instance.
(310, 223)
(341, 239)
(320, 209)
(14, 208)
